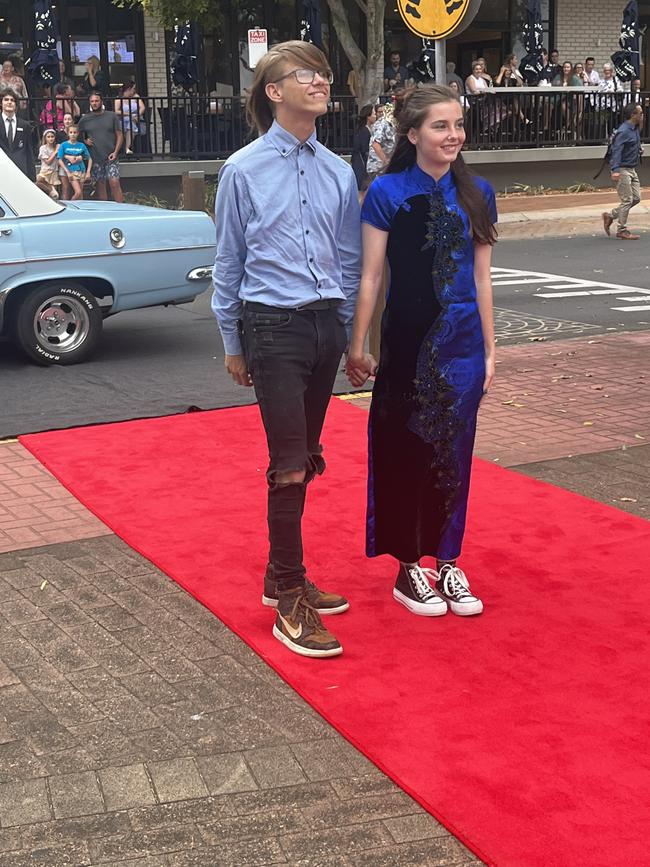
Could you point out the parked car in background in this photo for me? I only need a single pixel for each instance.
(66, 266)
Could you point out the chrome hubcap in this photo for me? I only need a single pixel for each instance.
(61, 323)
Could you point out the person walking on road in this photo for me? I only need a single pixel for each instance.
(286, 277)
(626, 155)
(435, 221)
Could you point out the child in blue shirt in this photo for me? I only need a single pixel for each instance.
(76, 162)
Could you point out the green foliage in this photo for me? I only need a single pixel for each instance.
(170, 12)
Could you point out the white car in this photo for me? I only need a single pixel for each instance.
(65, 266)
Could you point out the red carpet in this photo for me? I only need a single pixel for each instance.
(525, 731)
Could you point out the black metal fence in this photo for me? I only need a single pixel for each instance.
(206, 127)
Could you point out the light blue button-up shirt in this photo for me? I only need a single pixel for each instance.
(288, 230)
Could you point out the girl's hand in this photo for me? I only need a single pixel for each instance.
(359, 367)
(489, 373)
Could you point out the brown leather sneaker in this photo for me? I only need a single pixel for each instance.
(607, 222)
(299, 627)
(626, 235)
(323, 601)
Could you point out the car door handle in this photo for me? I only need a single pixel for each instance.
(6, 231)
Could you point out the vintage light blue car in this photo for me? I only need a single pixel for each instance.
(65, 266)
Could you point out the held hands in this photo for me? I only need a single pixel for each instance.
(359, 367)
(236, 367)
(616, 176)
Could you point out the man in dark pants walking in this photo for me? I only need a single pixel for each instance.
(626, 155)
(286, 276)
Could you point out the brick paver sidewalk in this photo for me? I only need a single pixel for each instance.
(135, 729)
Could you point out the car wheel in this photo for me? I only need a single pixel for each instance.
(59, 323)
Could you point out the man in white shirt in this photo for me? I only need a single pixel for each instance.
(591, 72)
(15, 136)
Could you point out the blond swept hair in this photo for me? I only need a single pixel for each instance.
(259, 108)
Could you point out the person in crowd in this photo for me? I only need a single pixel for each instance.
(460, 96)
(395, 75)
(64, 78)
(94, 80)
(567, 77)
(361, 146)
(485, 74)
(10, 80)
(626, 155)
(130, 108)
(580, 72)
(16, 135)
(605, 100)
(75, 160)
(568, 107)
(477, 82)
(437, 349)
(554, 64)
(62, 133)
(452, 76)
(48, 174)
(591, 72)
(509, 75)
(63, 103)
(286, 276)
(104, 138)
(353, 83)
(382, 141)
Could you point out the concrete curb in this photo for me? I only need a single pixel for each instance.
(590, 212)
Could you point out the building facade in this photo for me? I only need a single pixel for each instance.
(132, 46)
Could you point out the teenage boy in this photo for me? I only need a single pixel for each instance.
(16, 136)
(286, 276)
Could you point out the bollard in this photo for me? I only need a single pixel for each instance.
(193, 186)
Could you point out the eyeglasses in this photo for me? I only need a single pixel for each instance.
(307, 76)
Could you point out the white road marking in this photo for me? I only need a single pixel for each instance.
(644, 307)
(579, 288)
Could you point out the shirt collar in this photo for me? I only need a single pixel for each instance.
(284, 142)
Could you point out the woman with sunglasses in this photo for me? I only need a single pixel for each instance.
(286, 275)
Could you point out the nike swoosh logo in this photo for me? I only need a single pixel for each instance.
(293, 632)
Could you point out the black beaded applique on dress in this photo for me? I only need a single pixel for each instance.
(434, 419)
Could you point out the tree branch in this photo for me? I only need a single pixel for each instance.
(362, 6)
(343, 30)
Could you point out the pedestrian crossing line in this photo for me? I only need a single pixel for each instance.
(642, 307)
(572, 285)
(520, 282)
(581, 293)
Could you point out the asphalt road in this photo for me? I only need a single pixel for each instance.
(164, 360)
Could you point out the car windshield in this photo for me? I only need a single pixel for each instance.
(21, 195)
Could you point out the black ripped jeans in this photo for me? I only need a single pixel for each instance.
(293, 357)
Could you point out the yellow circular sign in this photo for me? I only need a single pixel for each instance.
(433, 19)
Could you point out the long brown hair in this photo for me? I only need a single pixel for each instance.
(412, 114)
(259, 108)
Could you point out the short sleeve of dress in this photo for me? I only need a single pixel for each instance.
(490, 199)
(377, 209)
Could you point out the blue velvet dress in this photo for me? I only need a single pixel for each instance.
(432, 367)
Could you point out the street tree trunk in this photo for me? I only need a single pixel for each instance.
(369, 67)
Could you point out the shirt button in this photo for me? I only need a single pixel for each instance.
(311, 259)
(302, 171)
(306, 231)
(304, 201)
(319, 285)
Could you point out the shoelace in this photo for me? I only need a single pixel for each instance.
(309, 614)
(420, 578)
(454, 581)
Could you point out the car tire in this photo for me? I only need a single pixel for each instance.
(58, 323)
